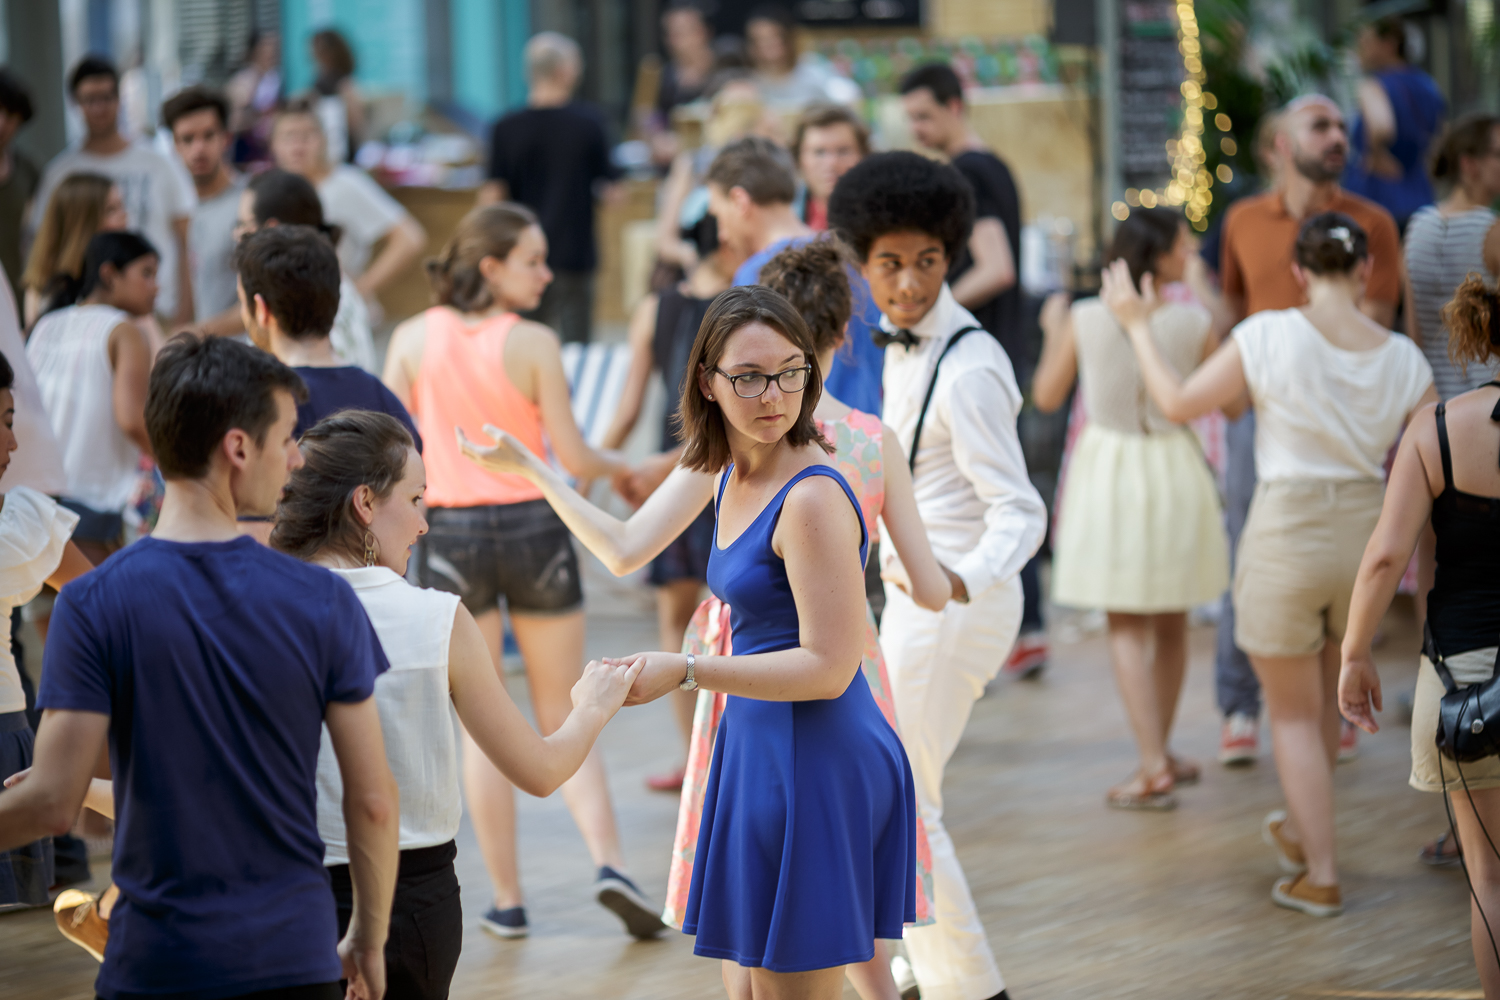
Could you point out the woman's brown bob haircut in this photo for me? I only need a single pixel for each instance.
(700, 421)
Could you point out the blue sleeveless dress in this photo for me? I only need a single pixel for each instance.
(807, 845)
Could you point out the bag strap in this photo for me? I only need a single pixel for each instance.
(1435, 657)
(916, 437)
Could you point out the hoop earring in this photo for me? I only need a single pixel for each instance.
(369, 548)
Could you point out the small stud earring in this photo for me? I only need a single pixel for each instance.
(710, 396)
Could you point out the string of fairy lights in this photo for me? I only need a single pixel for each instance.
(1191, 183)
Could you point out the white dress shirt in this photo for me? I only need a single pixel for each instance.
(983, 516)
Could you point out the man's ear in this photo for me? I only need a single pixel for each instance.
(236, 447)
(262, 312)
(741, 198)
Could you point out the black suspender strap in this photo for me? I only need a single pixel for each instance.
(916, 437)
(1441, 417)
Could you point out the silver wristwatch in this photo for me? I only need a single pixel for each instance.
(690, 683)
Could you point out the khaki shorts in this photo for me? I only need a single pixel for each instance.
(1430, 770)
(1297, 560)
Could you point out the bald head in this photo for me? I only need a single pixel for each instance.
(553, 58)
(1311, 136)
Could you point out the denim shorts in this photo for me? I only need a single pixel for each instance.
(521, 552)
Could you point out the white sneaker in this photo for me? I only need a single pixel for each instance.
(906, 980)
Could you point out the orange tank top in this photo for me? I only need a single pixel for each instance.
(462, 383)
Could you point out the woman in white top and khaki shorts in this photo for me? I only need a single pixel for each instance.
(1331, 391)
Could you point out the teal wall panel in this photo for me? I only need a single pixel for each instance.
(389, 38)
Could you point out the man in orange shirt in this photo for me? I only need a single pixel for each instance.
(1312, 147)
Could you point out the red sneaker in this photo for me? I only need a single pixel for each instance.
(1348, 740)
(1239, 740)
(1029, 657)
(669, 782)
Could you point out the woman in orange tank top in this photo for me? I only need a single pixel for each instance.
(470, 361)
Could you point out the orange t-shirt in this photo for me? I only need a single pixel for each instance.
(1260, 236)
(462, 383)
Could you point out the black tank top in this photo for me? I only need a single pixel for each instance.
(1463, 608)
(678, 317)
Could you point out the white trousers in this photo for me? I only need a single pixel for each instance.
(939, 663)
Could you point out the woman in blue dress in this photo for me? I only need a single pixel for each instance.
(806, 850)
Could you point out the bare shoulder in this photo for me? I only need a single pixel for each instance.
(530, 336)
(410, 333)
(817, 501)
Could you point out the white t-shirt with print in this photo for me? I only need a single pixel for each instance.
(154, 197)
(1322, 412)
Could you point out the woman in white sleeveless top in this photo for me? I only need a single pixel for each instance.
(1331, 391)
(355, 507)
(1447, 242)
(92, 365)
(1140, 533)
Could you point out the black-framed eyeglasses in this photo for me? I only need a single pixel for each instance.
(753, 385)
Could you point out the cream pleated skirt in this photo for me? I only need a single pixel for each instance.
(1140, 529)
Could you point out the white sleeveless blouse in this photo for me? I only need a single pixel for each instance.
(414, 625)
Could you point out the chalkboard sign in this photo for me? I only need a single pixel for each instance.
(834, 13)
(1150, 91)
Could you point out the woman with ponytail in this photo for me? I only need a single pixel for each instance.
(1446, 474)
(92, 362)
(469, 361)
(1448, 241)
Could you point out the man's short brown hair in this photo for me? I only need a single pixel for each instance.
(759, 166)
(826, 116)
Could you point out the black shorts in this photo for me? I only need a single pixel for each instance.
(519, 551)
(687, 557)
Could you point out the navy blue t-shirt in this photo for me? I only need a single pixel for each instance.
(330, 390)
(215, 662)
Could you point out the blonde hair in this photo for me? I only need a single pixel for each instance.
(487, 231)
(71, 219)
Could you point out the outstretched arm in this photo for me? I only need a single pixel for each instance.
(536, 764)
(623, 546)
(1217, 383)
(817, 536)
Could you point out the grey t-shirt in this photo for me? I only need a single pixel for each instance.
(211, 242)
(155, 196)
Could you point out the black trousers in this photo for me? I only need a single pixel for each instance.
(317, 991)
(427, 923)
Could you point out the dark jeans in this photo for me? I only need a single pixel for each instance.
(1031, 595)
(567, 306)
(427, 923)
(1235, 684)
(316, 991)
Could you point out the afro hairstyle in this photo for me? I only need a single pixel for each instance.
(901, 192)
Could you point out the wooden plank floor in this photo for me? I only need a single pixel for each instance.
(1079, 901)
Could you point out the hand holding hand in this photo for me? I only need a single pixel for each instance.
(1129, 307)
(604, 685)
(658, 674)
(364, 968)
(507, 456)
(1359, 690)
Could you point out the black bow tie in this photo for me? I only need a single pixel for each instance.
(883, 340)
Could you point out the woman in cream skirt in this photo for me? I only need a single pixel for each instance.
(1140, 533)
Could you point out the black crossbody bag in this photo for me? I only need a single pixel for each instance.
(916, 436)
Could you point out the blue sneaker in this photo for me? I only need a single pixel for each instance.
(625, 900)
(509, 923)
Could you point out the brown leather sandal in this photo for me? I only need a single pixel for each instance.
(1153, 795)
(1184, 771)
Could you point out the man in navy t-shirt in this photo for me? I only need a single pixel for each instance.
(289, 296)
(211, 664)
